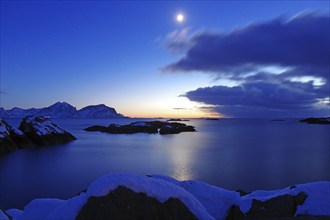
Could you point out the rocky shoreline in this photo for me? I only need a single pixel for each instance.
(131, 196)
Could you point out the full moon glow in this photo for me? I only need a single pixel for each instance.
(179, 18)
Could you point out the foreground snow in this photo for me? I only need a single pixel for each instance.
(203, 200)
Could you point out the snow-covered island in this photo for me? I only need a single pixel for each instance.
(33, 131)
(63, 110)
(131, 196)
(149, 127)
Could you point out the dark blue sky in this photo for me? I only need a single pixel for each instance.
(135, 57)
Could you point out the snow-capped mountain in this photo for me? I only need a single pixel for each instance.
(97, 111)
(59, 110)
(63, 110)
(22, 112)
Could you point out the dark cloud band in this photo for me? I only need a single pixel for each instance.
(301, 41)
(300, 46)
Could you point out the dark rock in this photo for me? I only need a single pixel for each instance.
(151, 127)
(96, 128)
(242, 192)
(299, 199)
(173, 119)
(175, 128)
(235, 213)
(42, 131)
(11, 138)
(123, 203)
(212, 119)
(316, 120)
(280, 207)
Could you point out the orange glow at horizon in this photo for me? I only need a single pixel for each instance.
(171, 113)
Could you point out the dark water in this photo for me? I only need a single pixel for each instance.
(232, 153)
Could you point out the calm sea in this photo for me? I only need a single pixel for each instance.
(246, 154)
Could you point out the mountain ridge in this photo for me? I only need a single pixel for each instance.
(63, 110)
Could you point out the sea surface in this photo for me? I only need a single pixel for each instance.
(245, 154)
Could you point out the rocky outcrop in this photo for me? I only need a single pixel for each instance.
(42, 131)
(316, 120)
(33, 131)
(11, 138)
(124, 203)
(283, 206)
(151, 127)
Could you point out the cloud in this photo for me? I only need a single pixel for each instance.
(302, 41)
(264, 99)
(261, 94)
(180, 109)
(281, 67)
(177, 41)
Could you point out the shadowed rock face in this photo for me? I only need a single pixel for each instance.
(152, 127)
(42, 131)
(282, 207)
(123, 203)
(11, 138)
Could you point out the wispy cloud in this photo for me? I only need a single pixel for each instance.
(177, 41)
(180, 108)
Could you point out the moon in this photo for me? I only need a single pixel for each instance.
(180, 18)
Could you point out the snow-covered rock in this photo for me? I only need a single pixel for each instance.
(38, 209)
(310, 199)
(11, 138)
(216, 200)
(158, 189)
(120, 195)
(43, 131)
(14, 213)
(3, 215)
